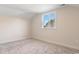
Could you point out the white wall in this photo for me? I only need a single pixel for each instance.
(14, 28)
(67, 31)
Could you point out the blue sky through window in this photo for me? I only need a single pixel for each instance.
(51, 16)
(48, 17)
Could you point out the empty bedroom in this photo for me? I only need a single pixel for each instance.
(39, 28)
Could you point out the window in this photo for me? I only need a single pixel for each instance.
(49, 20)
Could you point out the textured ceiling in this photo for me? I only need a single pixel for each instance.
(27, 10)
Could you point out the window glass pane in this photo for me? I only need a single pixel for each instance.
(49, 20)
(46, 19)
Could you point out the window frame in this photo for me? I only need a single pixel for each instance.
(49, 19)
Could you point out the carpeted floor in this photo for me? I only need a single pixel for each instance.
(33, 46)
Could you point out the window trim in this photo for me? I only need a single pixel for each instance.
(48, 14)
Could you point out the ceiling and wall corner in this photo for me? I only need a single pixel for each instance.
(25, 10)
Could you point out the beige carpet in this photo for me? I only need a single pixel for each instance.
(32, 46)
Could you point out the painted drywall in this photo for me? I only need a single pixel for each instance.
(67, 28)
(14, 28)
